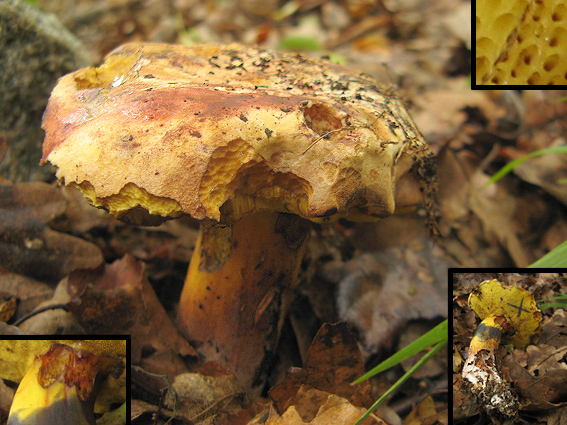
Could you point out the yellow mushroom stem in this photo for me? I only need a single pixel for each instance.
(60, 387)
(488, 334)
(238, 290)
(480, 370)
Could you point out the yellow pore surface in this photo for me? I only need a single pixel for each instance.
(521, 42)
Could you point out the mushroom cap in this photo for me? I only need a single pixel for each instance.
(515, 304)
(17, 355)
(217, 132)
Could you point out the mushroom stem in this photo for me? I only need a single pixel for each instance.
(480, 369)
(59, 388)
(488, 334)
(238, 290)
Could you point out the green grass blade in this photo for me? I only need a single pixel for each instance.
(555, 258)
(560, 297)
(300, 43)
(403, 379)
(438, 334)
(510, 166)
(552, 305)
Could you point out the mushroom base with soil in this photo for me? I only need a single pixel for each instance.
(480, 370)
(239, 288)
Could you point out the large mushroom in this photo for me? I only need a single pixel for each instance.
(63, 381)
(252, 143)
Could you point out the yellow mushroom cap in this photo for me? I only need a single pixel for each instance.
(515, 304)
(220, 131)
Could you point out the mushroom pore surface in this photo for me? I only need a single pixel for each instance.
(521, 42)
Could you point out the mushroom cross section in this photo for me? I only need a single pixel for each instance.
(252, 143)
(63, 381)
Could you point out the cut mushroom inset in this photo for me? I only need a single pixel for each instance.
(252, 143)
(63, 381)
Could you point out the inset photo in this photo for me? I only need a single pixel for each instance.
(509, 346)
(65, 382)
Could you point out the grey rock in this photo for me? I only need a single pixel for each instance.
(35, 50)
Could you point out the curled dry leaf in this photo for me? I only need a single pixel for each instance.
(327, 409)
(333, 362)
(118, 299)
(553, 332)
(543, 384)
(425, 412)
(27, 245)
(48, 318)
(496, 208)
(28, 292)
(379, 292)
(139, 408)
(537, 393)
(547, 172)
(543, 359)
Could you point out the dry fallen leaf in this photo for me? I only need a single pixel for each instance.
(333, 362)
(543, 384)
(378, 293)
(52, 321)
(209, 398)
(329, 409)
(442, 112)
(463, 232)
(545, 358)
(425, 412)
(27, 245)
(28, 292)
(118, 299)
(464, 403)
(548, 172)
(139, 408)
(496, 207)
(553, 332)
(537, 393)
